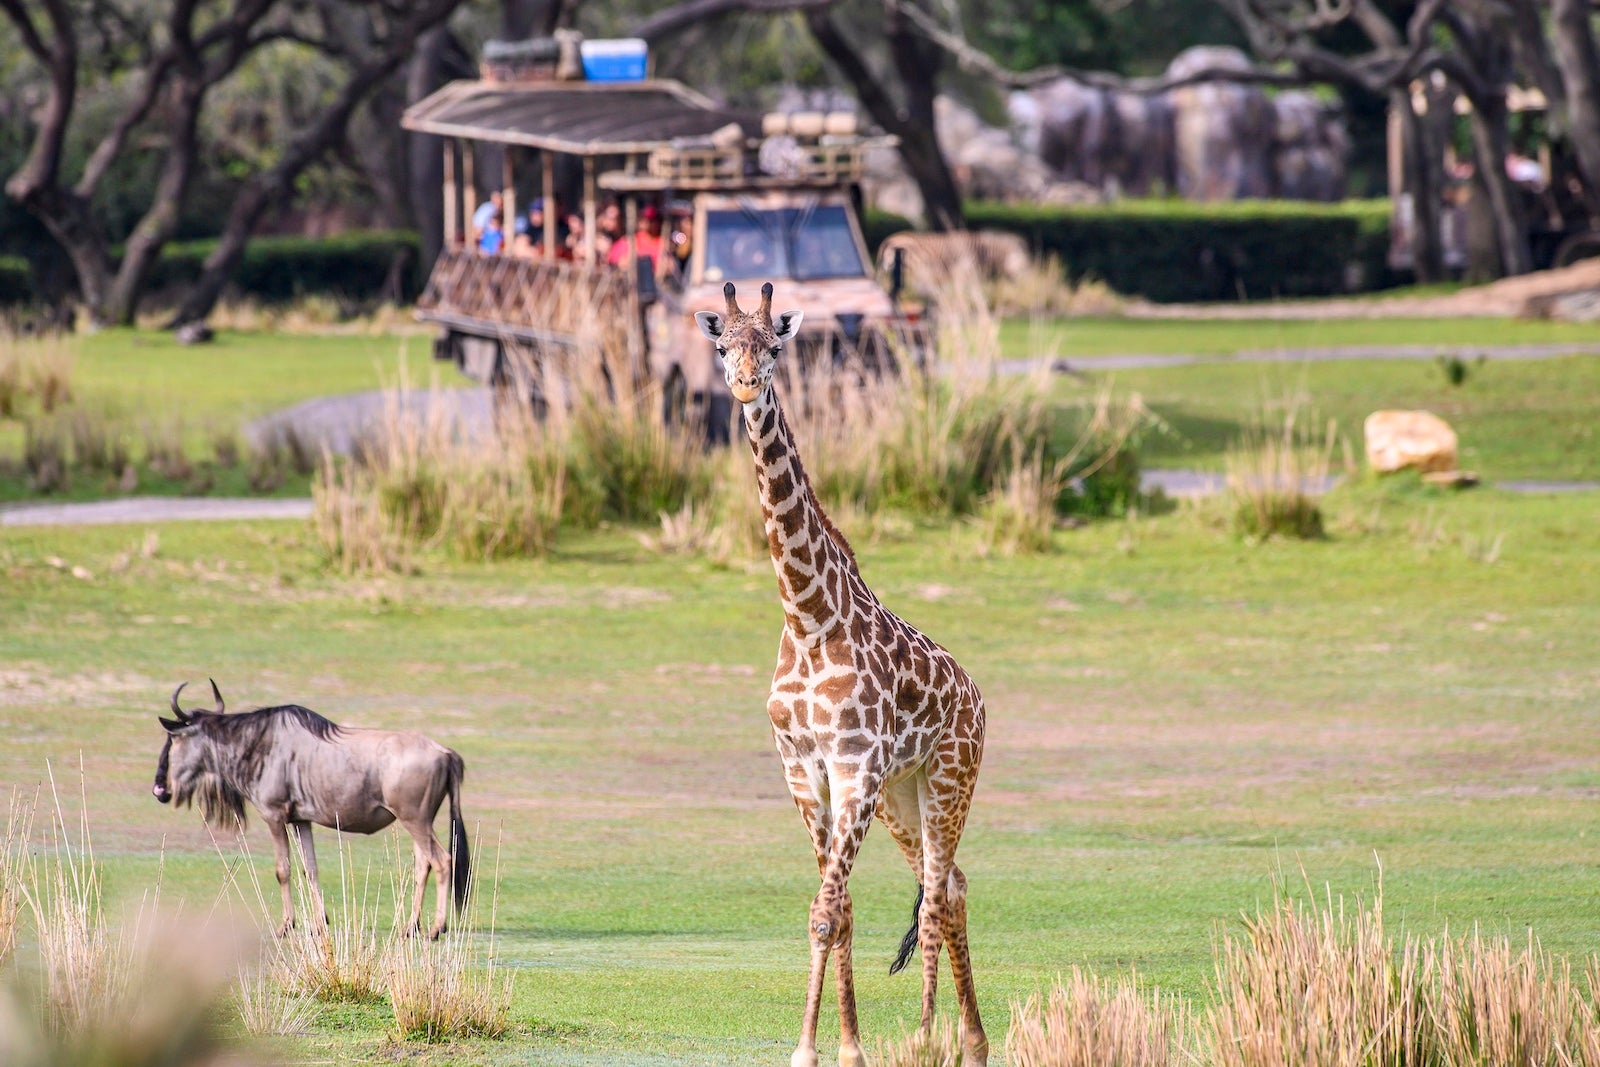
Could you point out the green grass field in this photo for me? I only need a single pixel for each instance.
(1174, 717)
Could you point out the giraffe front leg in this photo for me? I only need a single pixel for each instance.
(830, 925)
(850, 1054)
(806, 781)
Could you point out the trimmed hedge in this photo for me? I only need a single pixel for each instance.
(1178, 250)
(360, 266)
(16, 281)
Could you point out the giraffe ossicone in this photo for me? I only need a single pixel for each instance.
(870, 717)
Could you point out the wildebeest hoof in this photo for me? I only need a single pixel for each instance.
(433, 935)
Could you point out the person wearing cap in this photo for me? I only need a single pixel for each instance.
(646, 240)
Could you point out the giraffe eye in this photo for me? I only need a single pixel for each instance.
(723, 352)
(775, 350)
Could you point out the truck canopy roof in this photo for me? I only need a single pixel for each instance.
(581, 118)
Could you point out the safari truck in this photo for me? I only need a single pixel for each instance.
(741, 198)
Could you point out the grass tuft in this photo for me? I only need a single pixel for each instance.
(1087, 1021)
(939, 1047)
(1276, 472)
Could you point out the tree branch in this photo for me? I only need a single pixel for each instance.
(975, 61)
(30, 33)
(676, 19)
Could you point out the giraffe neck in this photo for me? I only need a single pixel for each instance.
(812, 559)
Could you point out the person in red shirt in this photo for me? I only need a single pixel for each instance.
(647, 240)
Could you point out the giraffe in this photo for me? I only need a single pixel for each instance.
(870, 717)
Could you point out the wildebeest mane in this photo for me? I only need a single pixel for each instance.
(248, 726)
(241, 741)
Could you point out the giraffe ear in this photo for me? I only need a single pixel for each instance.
(787, 325)
(711, 323)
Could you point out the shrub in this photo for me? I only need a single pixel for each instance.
(361, 267)
(1173, 250)
(16, 281)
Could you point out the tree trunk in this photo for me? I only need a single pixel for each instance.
(1427, 251)
(914, 126)
(917, 61)
(156, 228)
(425, 154)
(1491, 144)
(277, 183)
(1578, 59)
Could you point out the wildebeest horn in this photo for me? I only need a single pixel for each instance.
(733, 305)
(183, 716)
(766, 302)
(172, 726)
(217, 693)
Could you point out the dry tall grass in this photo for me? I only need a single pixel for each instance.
(941, 1047)
(141, 992)
(1087, 1021)
(1320, 987)
(1276, 472)
(421, 481)
(453, 987)
(13, 868)
(37, 370)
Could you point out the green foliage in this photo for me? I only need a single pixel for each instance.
(16, 281)
(362, 266)
(1174, 250)
(876, 226)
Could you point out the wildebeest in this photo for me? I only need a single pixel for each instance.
(299, 768)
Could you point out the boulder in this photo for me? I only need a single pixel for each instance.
(1400, 439)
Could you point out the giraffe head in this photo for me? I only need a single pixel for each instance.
(748, 343)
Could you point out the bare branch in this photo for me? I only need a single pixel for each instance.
(25, 27)
(676, 19)
(975, 61)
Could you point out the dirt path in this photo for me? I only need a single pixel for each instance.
(146, 509)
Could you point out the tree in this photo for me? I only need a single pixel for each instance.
(172, 59)
(374, 39)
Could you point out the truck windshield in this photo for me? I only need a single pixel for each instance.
(799, 243)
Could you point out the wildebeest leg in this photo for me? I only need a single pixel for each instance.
(423, 854)
(308, 856)
(431, 856)
(280, 849)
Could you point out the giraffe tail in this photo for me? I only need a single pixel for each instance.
(908, 944)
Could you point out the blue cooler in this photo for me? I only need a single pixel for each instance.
(621, 59)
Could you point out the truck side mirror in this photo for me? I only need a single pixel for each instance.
(897, 274)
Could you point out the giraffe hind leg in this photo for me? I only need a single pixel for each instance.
(902, 817)
(943, 920)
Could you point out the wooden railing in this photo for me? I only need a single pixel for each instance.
(540, 300)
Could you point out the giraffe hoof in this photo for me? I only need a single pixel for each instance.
(851, 1056)
(803, 1057)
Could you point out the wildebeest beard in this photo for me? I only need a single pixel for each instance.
(220, 803)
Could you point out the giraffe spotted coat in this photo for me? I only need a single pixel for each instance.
(871, 718)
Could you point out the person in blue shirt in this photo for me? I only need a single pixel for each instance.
(480, 217)
(493, 239)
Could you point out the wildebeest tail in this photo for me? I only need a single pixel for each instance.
(460, 853)
(908, 944)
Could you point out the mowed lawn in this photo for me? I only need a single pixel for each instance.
(1517, 419)
(1174, 719)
